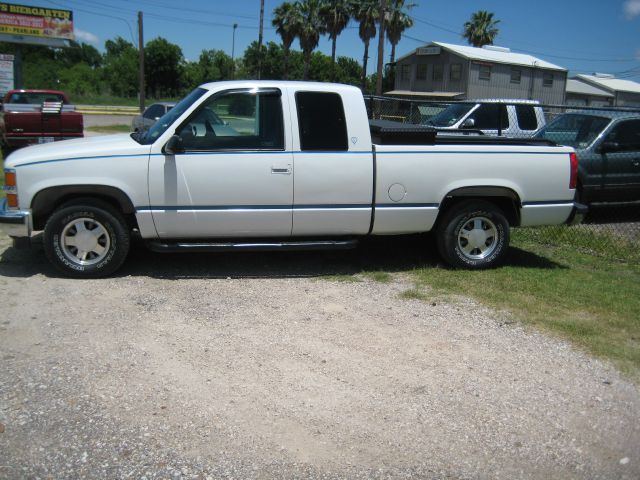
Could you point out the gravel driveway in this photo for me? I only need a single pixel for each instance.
(260, 366)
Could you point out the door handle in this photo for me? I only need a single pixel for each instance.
(635, 162)
(281, 170)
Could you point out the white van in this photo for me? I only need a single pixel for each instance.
(509, 118)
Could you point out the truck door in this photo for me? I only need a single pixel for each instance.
(622, 163)
(333, 171)
(235, 177)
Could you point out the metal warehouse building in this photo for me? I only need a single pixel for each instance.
(443, 71)
(603, 90)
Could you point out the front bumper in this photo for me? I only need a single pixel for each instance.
(578, 212)
(15, 223)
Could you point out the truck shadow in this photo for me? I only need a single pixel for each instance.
(388, 254)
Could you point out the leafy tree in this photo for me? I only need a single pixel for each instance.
(366, 12)
(120, 70)
(214, 65)
(162, 67)
(481, 29)
(272, 61)
(309, 30)
(335, 16)
(79, 53)
(80, 79)
(396, 23)
(286, 20)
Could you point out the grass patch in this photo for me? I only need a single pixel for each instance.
(110, 128)
(342, 278)
(379, 276)
(587, 294)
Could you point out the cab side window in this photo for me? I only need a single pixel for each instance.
(239, 120)
(321, 122)
(487, 116)
(626, 134)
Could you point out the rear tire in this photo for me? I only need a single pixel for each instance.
(86, 239)
(473, 234)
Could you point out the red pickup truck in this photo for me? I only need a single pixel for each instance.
(37, 116)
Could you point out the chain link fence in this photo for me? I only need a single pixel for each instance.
(607, 142)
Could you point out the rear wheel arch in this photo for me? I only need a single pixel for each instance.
(46, 201)
(506, 199)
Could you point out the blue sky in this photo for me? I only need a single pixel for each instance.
(584, 36)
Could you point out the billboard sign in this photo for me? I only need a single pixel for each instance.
(36, 21)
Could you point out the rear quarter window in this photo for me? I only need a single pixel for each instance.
(321, 121)
(526, 117)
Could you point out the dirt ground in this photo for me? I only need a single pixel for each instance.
(270, 366)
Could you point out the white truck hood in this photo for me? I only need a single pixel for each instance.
(106, 145)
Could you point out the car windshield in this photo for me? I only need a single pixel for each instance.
(35, 98)
(450, 115)
(168, 118)
(575, 130)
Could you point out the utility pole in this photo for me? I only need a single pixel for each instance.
(383, 14)
(260, 38)
(141, 62)
(233, 52)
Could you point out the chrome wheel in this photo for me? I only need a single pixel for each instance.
(85, 241)
(478, 238)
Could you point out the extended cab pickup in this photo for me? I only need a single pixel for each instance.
(276, 165)
(37, 116)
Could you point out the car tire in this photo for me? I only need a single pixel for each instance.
(86, 239)
(473, 234)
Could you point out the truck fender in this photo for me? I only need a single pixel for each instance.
(47, 200)
(505, 198)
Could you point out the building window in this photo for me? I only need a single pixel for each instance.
(455, 74)
(485, 72)
(438, 73)
(516, 75)
(404, 72)
(421, 71)
(547, 80)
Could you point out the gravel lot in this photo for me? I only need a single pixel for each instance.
(261, 366)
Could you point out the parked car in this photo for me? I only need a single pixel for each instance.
(509, 118)
(150, 116)
(608, 147)
(37, 116)
(303, 168)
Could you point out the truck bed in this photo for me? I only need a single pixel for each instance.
(387, 132)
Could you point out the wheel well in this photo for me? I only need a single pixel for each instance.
(48, 200)
(505, 199)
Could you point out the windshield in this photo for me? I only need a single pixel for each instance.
(577, 130)
(169, 118)
(36, 98)
(451, 115)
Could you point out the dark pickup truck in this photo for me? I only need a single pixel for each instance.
(608, 147)
(37, 116)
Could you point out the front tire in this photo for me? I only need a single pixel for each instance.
(86, 239)
(473, 234)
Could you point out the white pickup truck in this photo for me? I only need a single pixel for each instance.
(280, 165)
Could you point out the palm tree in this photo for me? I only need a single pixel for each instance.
(335, 15)
(286, 20)
(309, 30)
(366, 12)
(481, 29)
(398, 20)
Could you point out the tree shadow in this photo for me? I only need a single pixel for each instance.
(389, 254)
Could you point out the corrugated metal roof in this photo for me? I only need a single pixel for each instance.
(611, 84)
(495, 56)
(578, 87)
